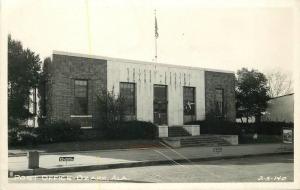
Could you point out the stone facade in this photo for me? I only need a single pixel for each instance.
(62, 74)
(225, 81)
(147, 74)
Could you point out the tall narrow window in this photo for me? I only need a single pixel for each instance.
(34, 94)
(189, 100)
(44, 99)
(81, 97)
(160, 104)
(127, 92)
(219, 101)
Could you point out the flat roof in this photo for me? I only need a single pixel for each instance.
(282, 96)
(136, 61)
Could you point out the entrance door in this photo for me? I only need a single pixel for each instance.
(160, 105)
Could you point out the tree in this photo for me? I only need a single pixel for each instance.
(251, 93)
(23, 75)
(110, 109)
(279, 84)
(42, 91)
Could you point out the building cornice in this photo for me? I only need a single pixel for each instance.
(112, 59)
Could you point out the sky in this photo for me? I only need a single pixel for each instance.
(211, 34)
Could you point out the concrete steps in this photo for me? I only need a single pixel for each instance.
(177, 131)
(203, 141)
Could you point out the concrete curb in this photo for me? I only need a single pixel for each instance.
(43, 171)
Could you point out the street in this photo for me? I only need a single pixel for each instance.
(273, 168)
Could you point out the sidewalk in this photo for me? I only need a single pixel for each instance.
(108, 159)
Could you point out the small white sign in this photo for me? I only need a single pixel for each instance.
(287, 135)
(66, 159)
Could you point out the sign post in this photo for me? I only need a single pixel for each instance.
(33, 159)
(66, 159)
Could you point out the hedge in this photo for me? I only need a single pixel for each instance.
(21, 135)
(265, 128)
(232, 128)
(59, 131)
(217, 127)
(131, 130)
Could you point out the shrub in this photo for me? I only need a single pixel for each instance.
(132, 130)
(59, 131)
(110, 108)
(248, 139)
(265, 128)
(231, 128)
(217, 127)
(21, 135)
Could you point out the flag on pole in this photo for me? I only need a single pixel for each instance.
(156, 28)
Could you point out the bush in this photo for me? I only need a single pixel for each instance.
(217, 127)
(132, 130)
(265, 128)
(248, 139)
(231, 128)
(59, 131)
(110, 108)
(55, 132)
(21, 135)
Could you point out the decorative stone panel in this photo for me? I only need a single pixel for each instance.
(225, 81)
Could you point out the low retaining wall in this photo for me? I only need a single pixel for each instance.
(239, 150)
(175, 142)
(163, 131)
(194, 130)
(232, 139)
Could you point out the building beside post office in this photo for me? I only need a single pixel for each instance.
(280, 109)
(160, 93)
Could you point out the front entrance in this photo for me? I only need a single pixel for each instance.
(160, 105)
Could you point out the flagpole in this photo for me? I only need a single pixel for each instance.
(155, 49)
(155, 35)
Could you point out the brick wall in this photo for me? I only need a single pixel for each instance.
(225, 81)
(64, 70)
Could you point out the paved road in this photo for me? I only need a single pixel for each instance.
(275, 168)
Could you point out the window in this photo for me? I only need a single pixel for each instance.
(44, 99)
(81, 97)
(160, 104)
(34, 94)
(127, 92)
(219, 101)
(189, 100)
